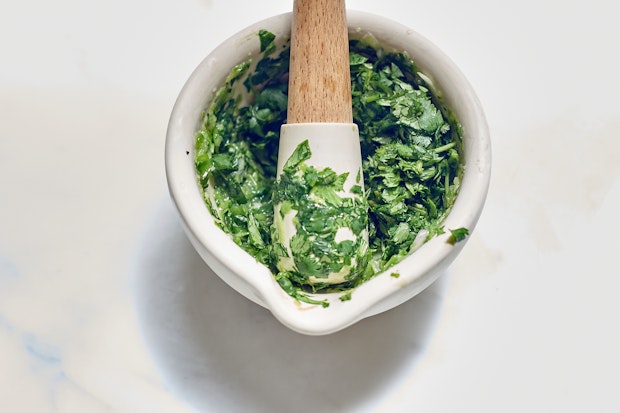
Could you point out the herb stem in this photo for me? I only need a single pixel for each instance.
(444, 148)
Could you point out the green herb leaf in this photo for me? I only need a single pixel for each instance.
(301, 153)
(457, 235)
(266, 41)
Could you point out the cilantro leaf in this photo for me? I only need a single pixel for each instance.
(458, 235)
(411, 165)
(267, 46)
(301, 153)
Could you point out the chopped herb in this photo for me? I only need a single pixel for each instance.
(346, 296)
(267, 46)
(321, 208)
(411, 165)
(295, 292)
(301, 153)
(395, 275)
(457, 235)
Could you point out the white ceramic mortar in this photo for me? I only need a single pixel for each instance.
(250, 278)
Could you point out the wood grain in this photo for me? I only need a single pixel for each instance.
(319, 74)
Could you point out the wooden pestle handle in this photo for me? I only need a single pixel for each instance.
(319, 74)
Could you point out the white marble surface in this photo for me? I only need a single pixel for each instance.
(104, 306)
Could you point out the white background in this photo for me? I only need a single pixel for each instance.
(104, 306)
